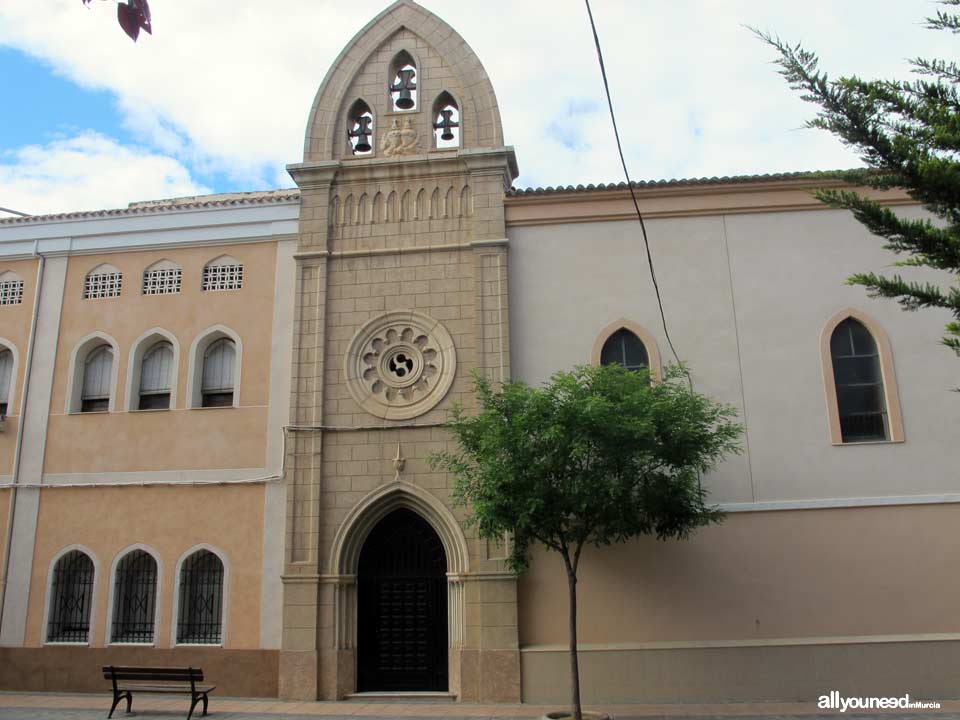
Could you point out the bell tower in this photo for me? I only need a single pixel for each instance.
(401, 292)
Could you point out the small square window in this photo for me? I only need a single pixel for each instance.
(103, 285)
(222, 277)
(162, 282)
(11, 292)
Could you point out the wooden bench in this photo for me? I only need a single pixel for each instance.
(128, 680)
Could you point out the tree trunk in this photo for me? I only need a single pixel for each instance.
(574, 661)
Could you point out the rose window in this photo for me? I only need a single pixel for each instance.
(400, 365)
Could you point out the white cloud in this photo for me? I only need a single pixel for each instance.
(227, 86)
(88, 172)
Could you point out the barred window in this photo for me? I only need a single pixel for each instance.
(162, 278)
(71, 596)
(224, 273)
(625, 348)
(103, 282)
(134, 598)
(97, 379)
(216, 386)
(201, 599)
(6, 380)
(11, 288)
(155, 373)
(861, 399)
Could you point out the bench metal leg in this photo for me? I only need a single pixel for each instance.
(117, 697)
(197, 697)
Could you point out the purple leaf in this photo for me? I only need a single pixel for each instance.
(132, 16)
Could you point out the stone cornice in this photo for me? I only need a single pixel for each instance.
(605, 205)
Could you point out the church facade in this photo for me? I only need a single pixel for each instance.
(218, 412)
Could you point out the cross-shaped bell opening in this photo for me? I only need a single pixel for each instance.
(360, 132)
(403, 90)
(446, 126)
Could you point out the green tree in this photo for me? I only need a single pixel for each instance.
(908, 135)
(597, 456)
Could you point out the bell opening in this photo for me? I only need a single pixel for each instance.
(360, 129)
(446, 122)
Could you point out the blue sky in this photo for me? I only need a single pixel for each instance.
(217, 102)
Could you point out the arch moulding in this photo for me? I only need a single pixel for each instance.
(353, 531)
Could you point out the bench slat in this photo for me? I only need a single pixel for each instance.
(159, 674)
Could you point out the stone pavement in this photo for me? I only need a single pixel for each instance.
(56, 706)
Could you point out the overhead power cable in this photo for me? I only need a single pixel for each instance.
(633, 194)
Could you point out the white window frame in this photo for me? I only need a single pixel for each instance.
(78, 358)
(158, 600)
(164, 266)
(12, 395)
(104, 269)
(224, 599)
(16, 286)
(222, 261)
(135, 362)
(199, 346)
(49, 596)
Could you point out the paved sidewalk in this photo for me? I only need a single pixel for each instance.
(55, 706)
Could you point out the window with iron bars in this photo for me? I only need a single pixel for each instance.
(102, 285)
(71, 595)
(166, 281)
(201, 600)
(11, 292)
(222, 277)
(134, 598)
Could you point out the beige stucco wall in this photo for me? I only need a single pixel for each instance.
(761, 575)
(746, 610)
(170, 521)
(746, 296)
(15, 330)
(178, 439)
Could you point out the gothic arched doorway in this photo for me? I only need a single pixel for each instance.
(402, 604)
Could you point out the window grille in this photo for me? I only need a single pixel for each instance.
(11, 292)
(102, 285)
(134, 598)
(222, 277)
(155, 371)
(624, 348)
(6, 379)
(201, 599)
(97, 376)
(861, 400)
(218, 367)
(165, 281)
(71, 595)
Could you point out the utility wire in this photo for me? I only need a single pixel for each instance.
(633, 194)
(14, 212)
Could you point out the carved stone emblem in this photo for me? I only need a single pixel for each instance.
(400, 365)
(399, 141)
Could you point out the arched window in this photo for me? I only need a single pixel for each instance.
(403, 82)
(360, 129)
(71, 597)
(134, 598)
(200, 600)
(222, 273)
(11, 288)
(155, 373)
(625, 348)
(97, 379)
(858, 378)
(446, 122)
(6, 380)
(162, 278)
(104, 281)
(218, 372)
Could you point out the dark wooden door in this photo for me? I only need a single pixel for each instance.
(402, 601)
